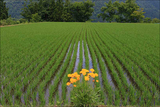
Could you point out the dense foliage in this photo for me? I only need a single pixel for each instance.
(151, 7)
(3, 10)
(51, 10)
(122, 12)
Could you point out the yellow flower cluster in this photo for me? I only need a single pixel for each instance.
(76, 77)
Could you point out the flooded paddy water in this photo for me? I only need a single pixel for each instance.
(101, 82)
(90, 65)
(52, 81)
(109, 77)
(24, 63)
(69, 88)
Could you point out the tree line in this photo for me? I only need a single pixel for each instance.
(127, 11)
(58, 11)
(66, 11)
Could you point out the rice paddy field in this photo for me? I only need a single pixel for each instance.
(36, 58)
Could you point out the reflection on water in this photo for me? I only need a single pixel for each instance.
(109, 76)
(75, 69)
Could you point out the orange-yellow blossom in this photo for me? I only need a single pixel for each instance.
(87, 70)
(86, 78)
(91, 74)
(84, 73)
(83, 69)
(74, 85)
(68, 83)
(97, 81)
(75, 74)
(69, 75)
(92, 70)
(72, 80)
(96, 74)
(78, 78)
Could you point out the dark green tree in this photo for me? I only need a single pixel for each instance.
(127, 11)
(108, 12)
(36, 18)
(52, 14)
(129, 7)
(88, 9)
(155, 20)
(44, 9)
(67, 14)
(82, 11)
(147, 20)
(137, 16)
(29, 9)
(3, 10)
(58, 10)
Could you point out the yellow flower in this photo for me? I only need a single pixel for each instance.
(91, 74)
(87, 70)
(96, 74)
(78, 79)
(84, 73)
(78, 76)
(86, 78)
(80, 71)
(92, 70)
(75, 73)
(72, 80)
(69, 75)
(97, 81)
(74, 85)
(68, 83)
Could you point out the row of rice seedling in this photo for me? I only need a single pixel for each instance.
(53, 88)
(113, 49)
(58, 74)
(95, 66)
(145, 46)
(33, 71)
(113, 73)
(107, 86)
(80, 64)
(70, 68)
(49, 70)
(144, 66)
(13, 86)
(20, 57)
(121, 75)
(143, 54)
(106, 48)
(141, 72)
(25, 50)
(77, 65)
(18, 77)
(17, 87)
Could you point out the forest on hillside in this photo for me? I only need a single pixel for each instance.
(151, 7)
